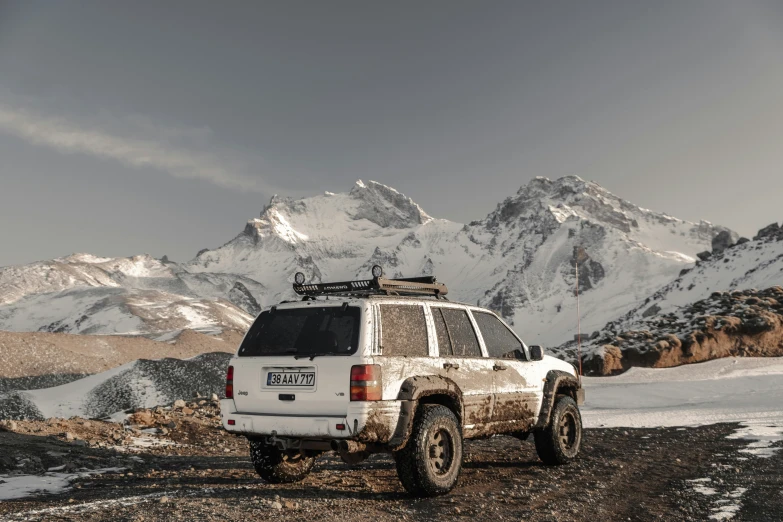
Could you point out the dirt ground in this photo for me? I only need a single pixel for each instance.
(69, 354)
(195, 471)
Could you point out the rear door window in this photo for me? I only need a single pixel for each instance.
(328, 330)
(498, 339)
(444, 341)
(463, 338)
(403, 330)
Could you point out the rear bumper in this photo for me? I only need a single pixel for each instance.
(367, 421)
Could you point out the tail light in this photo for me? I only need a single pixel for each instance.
(230, 383)
(366, 382)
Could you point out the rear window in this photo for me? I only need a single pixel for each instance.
(328, 330)
(499, 340)
(404, 330)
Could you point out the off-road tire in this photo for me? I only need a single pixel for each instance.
(560, 441)
(280, 467)
(430, 462)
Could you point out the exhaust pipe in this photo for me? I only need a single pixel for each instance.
(351, 446)
(348, 446)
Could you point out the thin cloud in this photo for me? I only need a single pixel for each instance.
(178, 161)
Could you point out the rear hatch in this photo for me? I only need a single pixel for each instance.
(297, 361)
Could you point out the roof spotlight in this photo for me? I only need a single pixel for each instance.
(377, 271)
(299, 278)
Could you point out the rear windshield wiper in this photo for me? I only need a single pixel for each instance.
(313, 355)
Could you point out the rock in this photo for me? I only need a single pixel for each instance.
(590, 271)
(276, 505)
(179, 403)
(163, 500)
(653, 310)
(742, 241)
(69, 436)
(290, 505)
(241, 296)
(772, 231)
(214, 397)
(8, 425)
(722, 242)
(704, 256)
(142, 418)
(187, 411)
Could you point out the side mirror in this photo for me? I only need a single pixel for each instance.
(536, 353)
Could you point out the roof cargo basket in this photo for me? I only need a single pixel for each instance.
(378, 285)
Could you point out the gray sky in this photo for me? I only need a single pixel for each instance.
(160, 127)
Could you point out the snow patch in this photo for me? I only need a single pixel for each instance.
(742, 390)
(20, 486)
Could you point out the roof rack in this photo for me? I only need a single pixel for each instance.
(410, 286)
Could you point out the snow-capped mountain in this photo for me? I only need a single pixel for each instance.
(86, 294)
(519, 260)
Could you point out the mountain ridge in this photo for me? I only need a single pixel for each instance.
(518, 260)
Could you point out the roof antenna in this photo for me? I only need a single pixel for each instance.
(578, 322)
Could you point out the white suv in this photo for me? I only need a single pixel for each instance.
(386, 365)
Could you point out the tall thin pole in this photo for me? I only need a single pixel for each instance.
(578, 324)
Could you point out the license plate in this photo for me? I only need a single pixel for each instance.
(301, 379)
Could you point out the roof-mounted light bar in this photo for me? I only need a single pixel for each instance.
(378, 285)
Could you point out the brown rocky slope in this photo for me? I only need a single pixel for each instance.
(32, 354)
(727, 324)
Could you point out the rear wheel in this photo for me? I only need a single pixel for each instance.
(560, 441)
(280, 467)
(430, 462)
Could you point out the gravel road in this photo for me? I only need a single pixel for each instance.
(624, 474)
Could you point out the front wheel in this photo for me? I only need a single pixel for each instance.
(280, 467)
(560, 441)
(430, 462)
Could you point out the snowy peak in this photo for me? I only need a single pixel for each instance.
(290, 221)
(573, 197)
(386, 207)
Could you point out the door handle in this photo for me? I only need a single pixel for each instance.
(450, 366)
(499, 367)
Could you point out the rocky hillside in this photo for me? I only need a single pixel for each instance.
(730, 303)
(141, 383)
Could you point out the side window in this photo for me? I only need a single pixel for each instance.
(403, 330)
(444, 342)
(463, 338)
(499, 340)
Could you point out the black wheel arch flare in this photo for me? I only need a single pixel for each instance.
(558, 382)
(434, 389)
